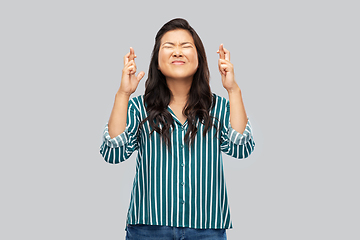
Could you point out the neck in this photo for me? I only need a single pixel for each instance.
(180, 89)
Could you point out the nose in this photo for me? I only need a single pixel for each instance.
(177, 52)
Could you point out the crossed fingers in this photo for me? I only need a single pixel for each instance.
(129, 56)
(223, 53)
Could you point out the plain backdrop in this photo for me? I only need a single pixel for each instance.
(297, 63)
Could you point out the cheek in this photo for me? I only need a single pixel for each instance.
(193, 56)
(195, 59)
(160, 60)
(163, 56)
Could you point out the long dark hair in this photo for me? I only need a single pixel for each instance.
(157, 94)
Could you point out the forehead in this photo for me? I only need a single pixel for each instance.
(177, 35)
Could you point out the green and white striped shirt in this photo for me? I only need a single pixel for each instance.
(184, 187)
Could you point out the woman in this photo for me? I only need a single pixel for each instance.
(179, 128)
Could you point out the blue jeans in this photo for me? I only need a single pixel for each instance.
(149, 232)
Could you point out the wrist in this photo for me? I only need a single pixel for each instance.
(121, 94)
(122, 98)
(235, 90)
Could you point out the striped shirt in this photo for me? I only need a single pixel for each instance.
(184, 187)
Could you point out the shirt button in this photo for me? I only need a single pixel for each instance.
(182, 183)
(181, 146)
(182, 164)
(182, 201)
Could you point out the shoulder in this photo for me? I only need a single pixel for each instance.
(136, 103)
(220, 101)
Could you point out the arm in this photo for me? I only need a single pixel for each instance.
(117, 121)
(238, 117)
(129, 83)
(236, 144)
(120, 148)
(236, 138)
(120, 134)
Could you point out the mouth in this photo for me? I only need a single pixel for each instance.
(178, 62)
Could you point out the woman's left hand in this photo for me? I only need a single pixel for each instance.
(226, 69)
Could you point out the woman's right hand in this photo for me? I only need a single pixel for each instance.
(129, 81)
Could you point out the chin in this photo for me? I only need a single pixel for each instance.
(182, 75)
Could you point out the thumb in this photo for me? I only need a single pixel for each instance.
(140, 75)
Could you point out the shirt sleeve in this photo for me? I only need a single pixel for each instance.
(233, 143)
(120, 148)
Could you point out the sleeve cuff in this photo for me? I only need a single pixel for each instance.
(238, 138)
(117, 141)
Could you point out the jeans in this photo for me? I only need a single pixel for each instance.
(155, 232)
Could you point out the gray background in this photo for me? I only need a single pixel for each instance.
(297, 63)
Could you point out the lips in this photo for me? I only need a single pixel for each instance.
(178, 62)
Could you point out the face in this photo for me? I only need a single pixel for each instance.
(177, 55)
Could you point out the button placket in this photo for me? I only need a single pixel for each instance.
(181, 162)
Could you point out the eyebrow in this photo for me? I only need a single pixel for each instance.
(183, 43)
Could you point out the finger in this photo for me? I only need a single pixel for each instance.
(221, 68)
(224, 65)
(131, 70)
(222, 72)
(140, 75)
(126, 58)
(224, 62)
(129, 63)
(221, 51)
(132, 54)
(227, 54)
(131, 67)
